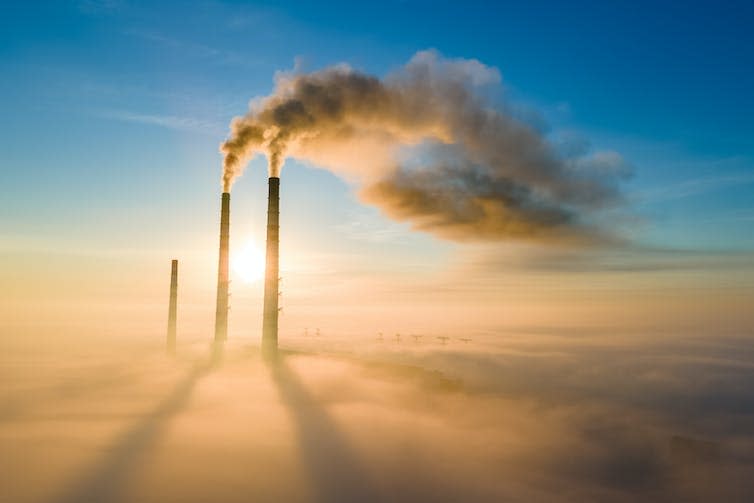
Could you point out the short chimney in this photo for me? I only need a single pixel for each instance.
(173, 307)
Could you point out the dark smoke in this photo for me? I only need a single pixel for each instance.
(427, 147)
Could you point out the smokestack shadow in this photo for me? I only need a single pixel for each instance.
(108, 480)
(334, 469)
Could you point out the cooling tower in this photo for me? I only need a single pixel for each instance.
(271, 278)
(173, 308)
(221, 312)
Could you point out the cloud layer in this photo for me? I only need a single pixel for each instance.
(527, 416)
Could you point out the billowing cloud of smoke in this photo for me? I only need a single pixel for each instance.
(427, 147)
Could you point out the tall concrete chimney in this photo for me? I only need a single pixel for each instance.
(271, 277)
(221, 311)
(173, 308)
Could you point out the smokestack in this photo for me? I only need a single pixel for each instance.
(271, 278)
(221, 312)
(172, 310)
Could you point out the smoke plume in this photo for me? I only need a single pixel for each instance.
(426, 146)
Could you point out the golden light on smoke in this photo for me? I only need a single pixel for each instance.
(433, 151)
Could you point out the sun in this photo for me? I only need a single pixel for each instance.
(248, 263)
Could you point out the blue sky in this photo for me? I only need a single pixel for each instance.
(114, 109)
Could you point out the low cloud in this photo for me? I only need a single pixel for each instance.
(536, 416)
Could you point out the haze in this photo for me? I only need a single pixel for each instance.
(516, 255)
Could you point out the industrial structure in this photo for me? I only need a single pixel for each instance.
(221, 311)
(173, 306)
(271, 277)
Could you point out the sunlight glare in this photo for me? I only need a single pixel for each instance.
(249, 263)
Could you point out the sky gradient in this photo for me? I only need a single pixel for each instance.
(415, 364)
(115, 112)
